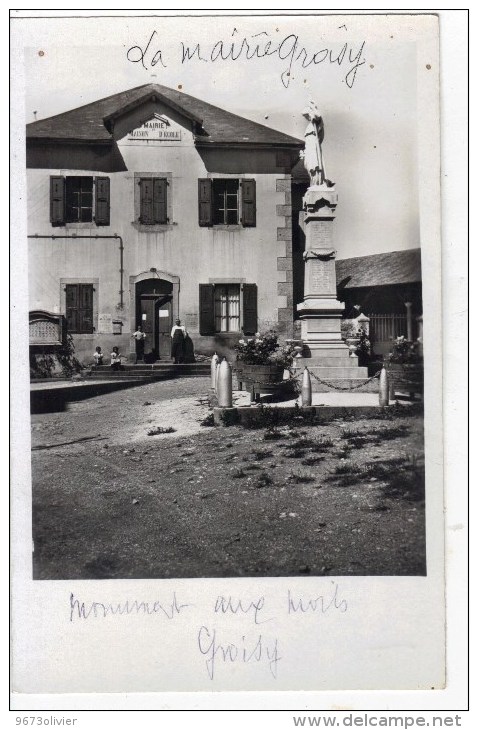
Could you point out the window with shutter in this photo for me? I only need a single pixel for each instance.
(79, 308)
(153, 208)
(72, 200)
(227, 202)
(220, 308)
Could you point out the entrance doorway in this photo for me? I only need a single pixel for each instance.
(154, 312)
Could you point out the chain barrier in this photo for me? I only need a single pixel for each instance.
(338, 387)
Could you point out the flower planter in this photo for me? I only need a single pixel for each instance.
(266, 379)
(405, 377)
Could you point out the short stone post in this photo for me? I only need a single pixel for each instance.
(383, 387)
(364, 323)
(224, 385)
(306, 391)
(214, 364)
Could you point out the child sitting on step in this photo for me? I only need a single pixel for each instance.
(115, 359)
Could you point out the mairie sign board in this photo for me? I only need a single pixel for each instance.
(158, 128)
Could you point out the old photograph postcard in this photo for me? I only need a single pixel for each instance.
(227, 289)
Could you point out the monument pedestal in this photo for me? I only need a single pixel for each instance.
(324, 351)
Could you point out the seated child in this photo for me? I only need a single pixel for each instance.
(115, 359)
(98, 356)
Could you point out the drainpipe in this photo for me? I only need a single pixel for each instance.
(121, 252)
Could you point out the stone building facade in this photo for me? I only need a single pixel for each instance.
(151, 205)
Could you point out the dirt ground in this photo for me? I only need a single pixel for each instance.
(340, 498)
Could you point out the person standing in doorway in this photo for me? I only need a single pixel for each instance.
(178, 335)
(140, 337)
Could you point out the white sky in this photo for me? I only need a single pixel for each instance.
(370, 145)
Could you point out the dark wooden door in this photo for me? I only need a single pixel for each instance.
(165, 316)
(150, 327)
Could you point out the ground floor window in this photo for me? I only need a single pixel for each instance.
(79, 308)
(227, 308)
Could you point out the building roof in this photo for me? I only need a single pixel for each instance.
(381, 269)
(214, 126)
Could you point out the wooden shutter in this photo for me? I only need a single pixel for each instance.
(160, 208)
(72, 307)
(79, 308)
(206, 309)
(146, 201)
(85, 323)
(102, 201)
(57, 200)
(205, 201)
(249, 304)
(249, 203)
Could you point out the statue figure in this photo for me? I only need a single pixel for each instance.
(312, 156)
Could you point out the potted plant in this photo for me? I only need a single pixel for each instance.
(405, 366)
(261, 361)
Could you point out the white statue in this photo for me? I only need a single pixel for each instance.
(312, 156)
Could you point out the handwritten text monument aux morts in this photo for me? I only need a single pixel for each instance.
(289, 49)
(213, 640)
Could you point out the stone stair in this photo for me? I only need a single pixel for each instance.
(162, 370)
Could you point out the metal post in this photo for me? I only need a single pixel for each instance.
(224, 385)
(306, 391)
(214, 364)
(383, 386)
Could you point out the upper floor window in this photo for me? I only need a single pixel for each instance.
(227, 201)
(153, 202)
(79, 199)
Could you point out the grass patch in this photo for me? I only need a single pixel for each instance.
(160, 429)
(238, 474)
(260, 455)
(264, 480)
(311, 460)
(299, 477)
(208, 421)
(296, 453)
(273, 434)
(322, 444)
(398, 477)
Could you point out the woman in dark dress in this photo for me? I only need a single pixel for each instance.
(178, 335)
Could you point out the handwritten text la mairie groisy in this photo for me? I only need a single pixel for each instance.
(235, 49)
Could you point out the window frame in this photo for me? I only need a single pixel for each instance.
(237, 293)
(61, 201)
(246, 202)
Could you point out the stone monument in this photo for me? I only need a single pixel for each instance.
(324, 351)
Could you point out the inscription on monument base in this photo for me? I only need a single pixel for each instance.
(321, 277)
